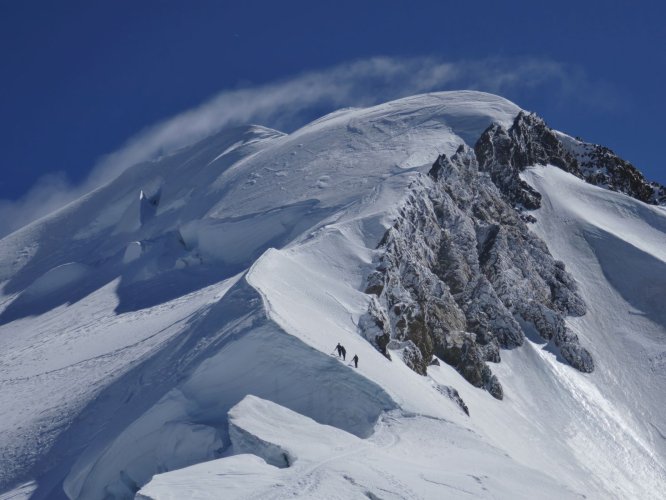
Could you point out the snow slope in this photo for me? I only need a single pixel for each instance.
(616, 246)
(304, 459)
(135, 322)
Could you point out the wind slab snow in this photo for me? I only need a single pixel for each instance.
(170, 334)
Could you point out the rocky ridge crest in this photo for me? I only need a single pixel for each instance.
(600, 166)
(461, 277)
(504, 153)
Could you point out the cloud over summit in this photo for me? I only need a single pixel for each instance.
(292, 102)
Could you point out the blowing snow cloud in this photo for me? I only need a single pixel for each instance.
(292, 102)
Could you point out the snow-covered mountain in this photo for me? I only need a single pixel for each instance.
(172, 334)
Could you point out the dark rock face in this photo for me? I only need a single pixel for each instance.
(529, 141)
(505, 153)
(460, 271)
(453, 395)
(602, 167)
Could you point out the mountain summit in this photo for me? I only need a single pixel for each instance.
(172, 334)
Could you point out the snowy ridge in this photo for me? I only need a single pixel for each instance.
(189, 310)
(617, 250)
(327, 463)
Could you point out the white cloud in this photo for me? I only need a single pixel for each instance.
(289, 103)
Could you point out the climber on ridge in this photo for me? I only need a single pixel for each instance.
(341, 351)
(355, 360)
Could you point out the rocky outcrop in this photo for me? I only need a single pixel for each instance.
(505, 153)
(461, 275)
(453, 395)
(602, 167)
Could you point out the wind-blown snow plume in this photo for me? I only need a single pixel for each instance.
(289, 103)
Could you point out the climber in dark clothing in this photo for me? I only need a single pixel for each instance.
(339, 349)
(343, 352)
(355, 360)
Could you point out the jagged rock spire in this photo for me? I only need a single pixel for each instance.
(462, 276)
(504, 153)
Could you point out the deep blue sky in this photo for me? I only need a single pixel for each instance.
(78, 78)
